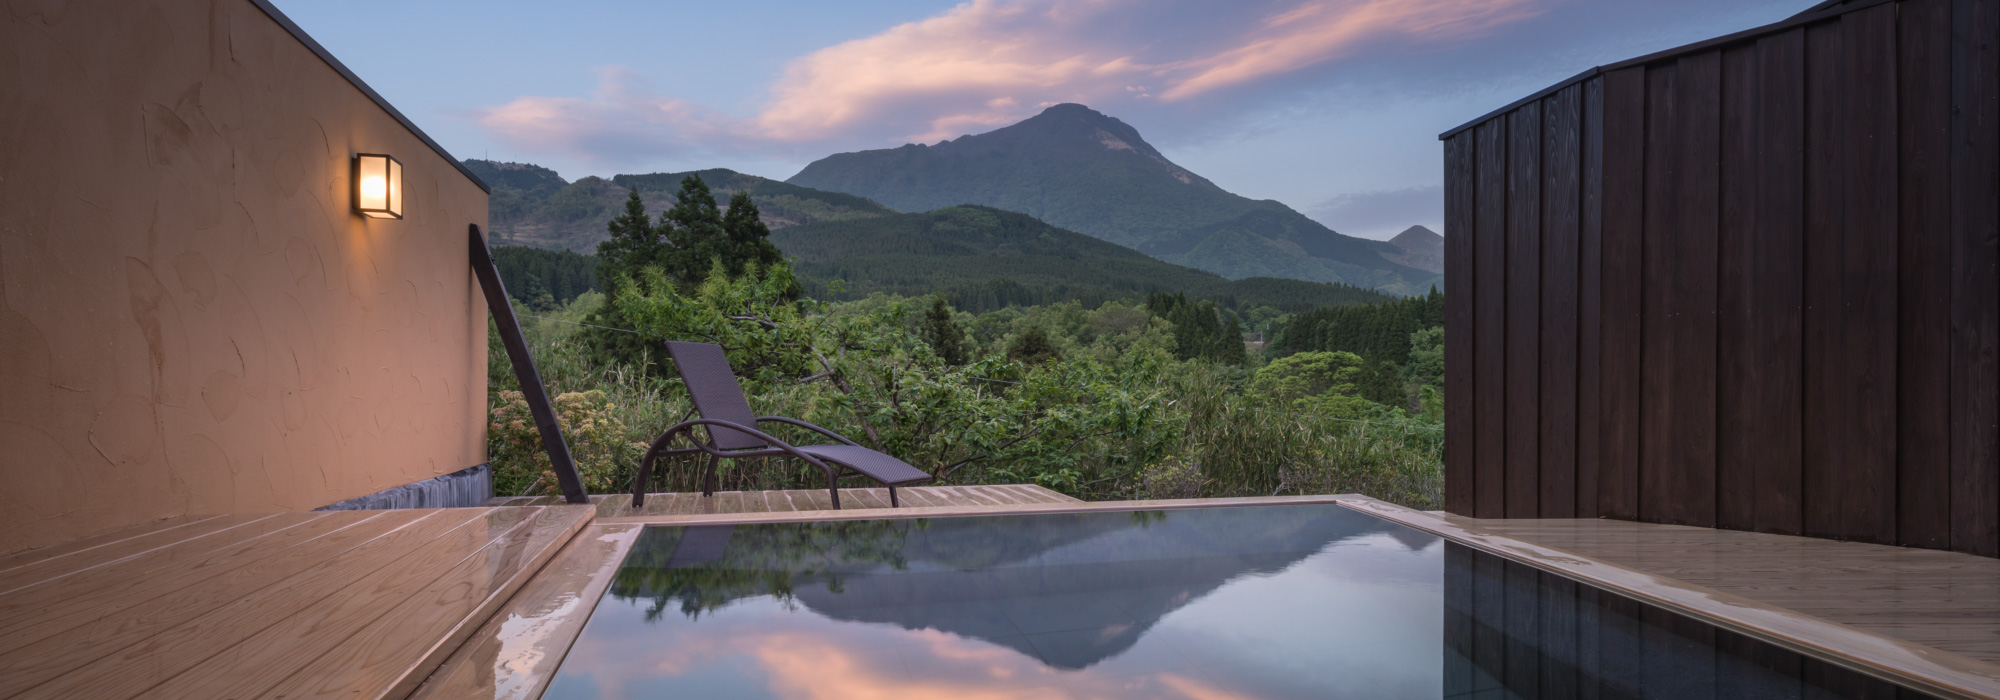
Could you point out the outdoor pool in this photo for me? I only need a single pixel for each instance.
(1279, 601)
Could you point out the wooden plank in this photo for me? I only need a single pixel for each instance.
(1691, 440)
(1665, 159)
(1461, 213)
(57, 567)
(1825, 217)
(1776, 447)
(40, 554)
(1975, 278)
(1590, 303)
(1851, 281)
(1868, 280)
(400, 648)
(1524, 227)
(246, 648)
(1001, 495)
(1737, 374)
(819, 499)
(517, 651)
(754, 502)
(108, 609)
(915, 496)
(864, 498)
(1023, 494)
(1621, 289)
(1761, 257)
(613, 505)
(84, 583)
(1923, 281)
(1562, 193)
(25, 614)
(1490, 321)
(89, 636)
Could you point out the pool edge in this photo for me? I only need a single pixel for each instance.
(1928, 669)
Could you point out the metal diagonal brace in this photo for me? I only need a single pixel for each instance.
(524, 369)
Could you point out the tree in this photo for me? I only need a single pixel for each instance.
(749, 238)
(634, 244)
(1032, 346)
(943, 334)
(693, 229)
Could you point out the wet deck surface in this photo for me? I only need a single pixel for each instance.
(295, 605)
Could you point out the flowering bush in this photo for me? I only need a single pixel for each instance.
(598, 441)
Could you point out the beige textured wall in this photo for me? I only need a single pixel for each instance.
(192, 320)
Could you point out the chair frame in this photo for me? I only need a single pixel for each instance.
(778, 448)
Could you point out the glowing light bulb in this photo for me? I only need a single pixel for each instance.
(374, 188)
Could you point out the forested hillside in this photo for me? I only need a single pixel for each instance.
(533, 206)
(983, 258)
(1377, 332)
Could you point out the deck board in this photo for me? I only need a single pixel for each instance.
(805, 500)
(515, 654)
(347, 603)
(24, 558)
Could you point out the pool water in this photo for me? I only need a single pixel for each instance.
(1288, 601)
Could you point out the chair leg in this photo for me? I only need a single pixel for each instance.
(892, 498)
(708, 478)
(835, 490)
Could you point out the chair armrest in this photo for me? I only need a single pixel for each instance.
(808, 426)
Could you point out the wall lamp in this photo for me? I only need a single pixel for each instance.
(378, 186)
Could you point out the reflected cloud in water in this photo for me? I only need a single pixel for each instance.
(1269, 602)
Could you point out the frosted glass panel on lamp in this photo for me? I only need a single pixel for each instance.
(395, 188)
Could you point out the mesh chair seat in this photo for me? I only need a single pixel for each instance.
(884, 468)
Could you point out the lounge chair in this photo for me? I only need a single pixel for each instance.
(725, 415)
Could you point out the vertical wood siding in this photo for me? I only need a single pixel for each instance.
(1751, 285)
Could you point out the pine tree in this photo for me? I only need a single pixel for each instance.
(633, 244)
(693, 230)
(749, 239)
(943, 334)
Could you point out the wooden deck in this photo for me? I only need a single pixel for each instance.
(676, 504)
(1918, 617)
(354, 604)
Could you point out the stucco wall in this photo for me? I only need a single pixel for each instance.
(192, 320)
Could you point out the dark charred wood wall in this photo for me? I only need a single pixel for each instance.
(1752, 283)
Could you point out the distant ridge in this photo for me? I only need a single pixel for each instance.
(1081, 170)
(533, 206)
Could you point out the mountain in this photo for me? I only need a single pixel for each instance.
(1078, 169)
(533, 206)
(1421, 248)
(984, 258)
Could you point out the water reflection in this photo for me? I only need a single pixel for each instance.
(1513, 632)
(1267, 602)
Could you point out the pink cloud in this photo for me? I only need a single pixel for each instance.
(987, 63)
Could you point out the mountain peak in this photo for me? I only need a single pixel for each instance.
(1417, 236)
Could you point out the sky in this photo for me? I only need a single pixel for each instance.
(1330, 106)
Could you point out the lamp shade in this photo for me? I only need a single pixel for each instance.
(378, 186)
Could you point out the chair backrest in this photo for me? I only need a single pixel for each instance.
(717, 394)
